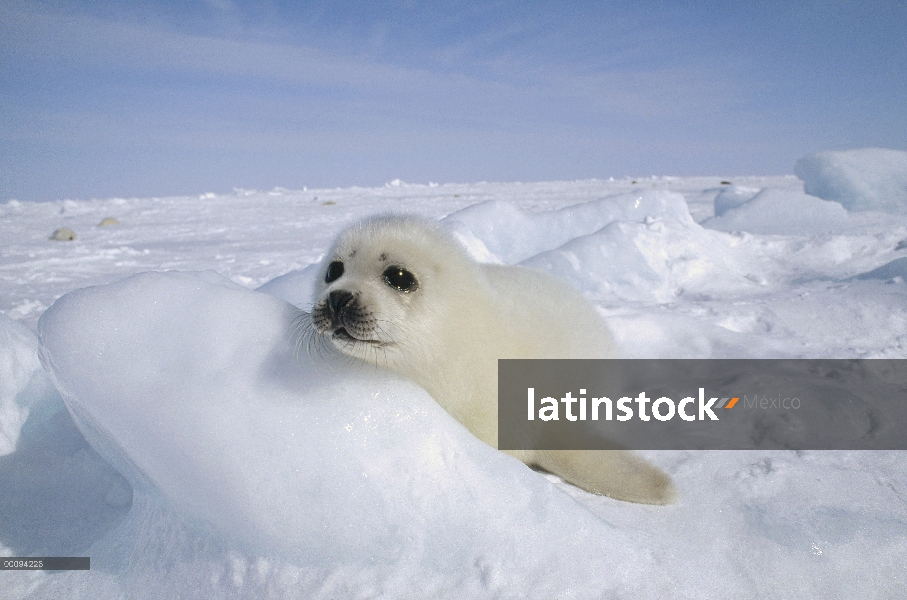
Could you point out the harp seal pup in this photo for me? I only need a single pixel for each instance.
(401, 293)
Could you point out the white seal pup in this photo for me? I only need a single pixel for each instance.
(402, 293)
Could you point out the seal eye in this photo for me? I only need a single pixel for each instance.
(335, 270)
(400, 279)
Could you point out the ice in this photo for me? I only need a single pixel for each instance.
(473, 244)
(513, 235)
(190, 385)
(296, 287)
(779, 212)
(24, 387)
(195, 390)
(894, 271)
(56, 494)
(733, 196)
(651, 262)
(863, 179)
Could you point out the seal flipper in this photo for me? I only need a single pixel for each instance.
(619, 474)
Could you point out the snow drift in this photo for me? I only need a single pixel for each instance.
(20, 373)
(779, 212)
(864, 179)
(191, 387)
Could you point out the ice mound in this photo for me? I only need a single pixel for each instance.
(58, 495)
(733, 196)
(780, 212)
(655, 261)
(190, 385)
(23, 384)
(295, 287)
(864, 179)
(895, 270)
(474, 246)
(513, 235)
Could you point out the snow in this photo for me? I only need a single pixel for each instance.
(295, 287)
(18, 365)
(863, 179)
(228, 426)
(733, 196)
(783, 212)
(513, 235)
(204, 455)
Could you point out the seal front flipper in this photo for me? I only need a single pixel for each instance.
(619, 474)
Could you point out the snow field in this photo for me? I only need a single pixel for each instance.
(222, 463)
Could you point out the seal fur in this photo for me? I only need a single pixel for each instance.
(402, 293)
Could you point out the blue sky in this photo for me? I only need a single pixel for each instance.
(152, 98)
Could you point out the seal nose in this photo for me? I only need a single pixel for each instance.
(339, 299)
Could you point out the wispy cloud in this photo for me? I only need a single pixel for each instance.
(89, 46)
(439, 91)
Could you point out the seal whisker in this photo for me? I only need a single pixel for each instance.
(301, 326)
